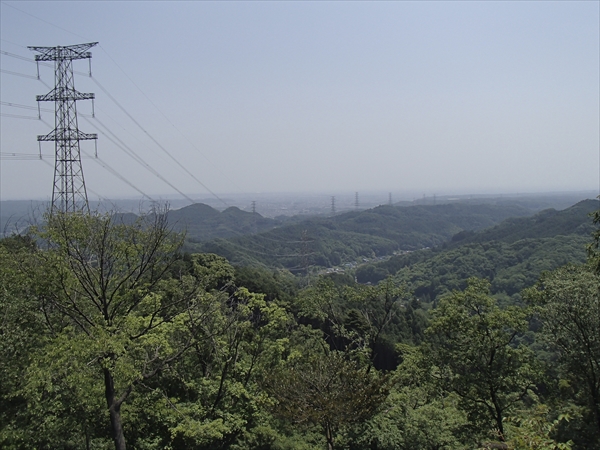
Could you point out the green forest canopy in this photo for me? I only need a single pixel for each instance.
(111, 337)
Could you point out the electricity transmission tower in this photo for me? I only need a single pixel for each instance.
(68, 193)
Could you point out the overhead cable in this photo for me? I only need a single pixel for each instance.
(34, 108)
(19, 156)
(10, 72)
(24, 58)
(105, 165)
(117, 103)
(157, 143)
(18, 116)
(166, 117)
(42, 20)
(120, 144)
(121, 107)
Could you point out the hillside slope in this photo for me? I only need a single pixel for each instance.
(546, 223)
(379, 231)
(202, 223)
(512, 255)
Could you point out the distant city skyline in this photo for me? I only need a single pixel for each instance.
(311, 97)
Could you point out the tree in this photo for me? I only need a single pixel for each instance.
(473, 343)
(107, 320)
(417, 414)
(568, 303)
(113, 310)
(329, 389)
(534, 428)
(594, 247)
(215, 388)
(360, 317)
(21, 333)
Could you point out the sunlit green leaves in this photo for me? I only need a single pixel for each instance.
(473, 344)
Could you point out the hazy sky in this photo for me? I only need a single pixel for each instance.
(430, 97)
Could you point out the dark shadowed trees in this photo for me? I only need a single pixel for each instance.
(329, 389)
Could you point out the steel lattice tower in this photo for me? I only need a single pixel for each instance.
(68, 193)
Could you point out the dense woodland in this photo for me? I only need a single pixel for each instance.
(122, 332)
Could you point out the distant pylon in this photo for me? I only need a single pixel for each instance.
(332, 204)
(253, 206)
(68, 193)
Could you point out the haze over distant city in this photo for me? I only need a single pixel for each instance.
(251, 97)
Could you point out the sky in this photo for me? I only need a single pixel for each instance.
(213, 98)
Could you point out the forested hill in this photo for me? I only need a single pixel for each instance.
(438, 221)
(547, 223)
(203, 223)
(511, 255)
(379, 231)
(106, 317)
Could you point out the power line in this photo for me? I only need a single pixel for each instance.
(114, 172)
(23, 75)
(18, 116)
(121, 107)
(16, 156)
(24, 58)
(112, 98)
(17, 105)
(10, 72)
(120, 144)
(42, 20)
(13, 55)
(92, 191)
(131, 117)
(25, 157)
(19, 156)
(157, 143)
(105, 165)
(166, 117)
(98, 161)
(33, 156)
(118, 124)
(13, 43)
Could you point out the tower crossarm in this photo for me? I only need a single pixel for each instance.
(70, 52)
(64, 94)
(70, 135)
